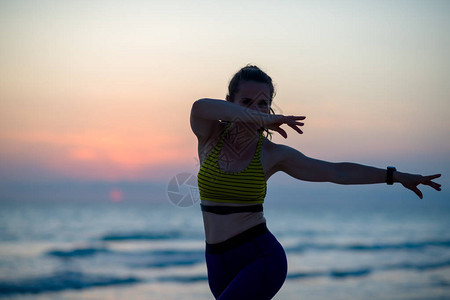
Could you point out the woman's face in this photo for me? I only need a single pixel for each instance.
(254, 95)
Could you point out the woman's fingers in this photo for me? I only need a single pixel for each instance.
(417, 191)
(434, 185)
(431, 177)
(291, 121)
(295, 118)
(428, 181)
(413, 187)
(296, 128)
(425, 180)
(280, 131)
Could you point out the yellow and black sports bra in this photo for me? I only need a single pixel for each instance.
(245, 187)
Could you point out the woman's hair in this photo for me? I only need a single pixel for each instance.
(251, 73)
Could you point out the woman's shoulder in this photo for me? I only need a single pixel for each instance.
(273, 155)
(273, 148)
(274, 152)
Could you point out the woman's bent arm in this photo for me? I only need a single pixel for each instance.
(207, 110)
(213, 109)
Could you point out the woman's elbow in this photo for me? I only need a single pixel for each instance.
(197, 106)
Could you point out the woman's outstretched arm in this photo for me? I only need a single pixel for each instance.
(302, 167)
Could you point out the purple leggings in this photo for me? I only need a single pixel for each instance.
(252, 266)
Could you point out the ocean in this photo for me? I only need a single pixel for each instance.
(155, 250)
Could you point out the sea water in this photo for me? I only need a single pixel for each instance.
(148, 250)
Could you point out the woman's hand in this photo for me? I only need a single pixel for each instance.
(411, 181)
(275, 121)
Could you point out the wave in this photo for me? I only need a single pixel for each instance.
(369, 247)
(350, 273)
(398, 246)
(342, 273)
(170, 258)
(79, 252)
(422, 266)
(60, 281)
(304, 275)
(183, 279)
(129, 236)
(440, 282)
(135, 259)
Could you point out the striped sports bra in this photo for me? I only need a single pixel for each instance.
(246, 187)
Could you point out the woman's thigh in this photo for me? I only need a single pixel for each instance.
(255, 270)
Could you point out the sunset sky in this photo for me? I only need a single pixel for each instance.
(102, 90)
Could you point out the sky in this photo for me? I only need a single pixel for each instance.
(102, 90)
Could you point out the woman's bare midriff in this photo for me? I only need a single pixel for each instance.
(219, 228)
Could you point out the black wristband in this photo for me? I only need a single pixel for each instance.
(390, 175)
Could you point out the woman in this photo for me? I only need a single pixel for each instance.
(244, 260)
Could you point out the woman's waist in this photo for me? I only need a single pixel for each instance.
(229, 208)
(221, 227)
(238, 239)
